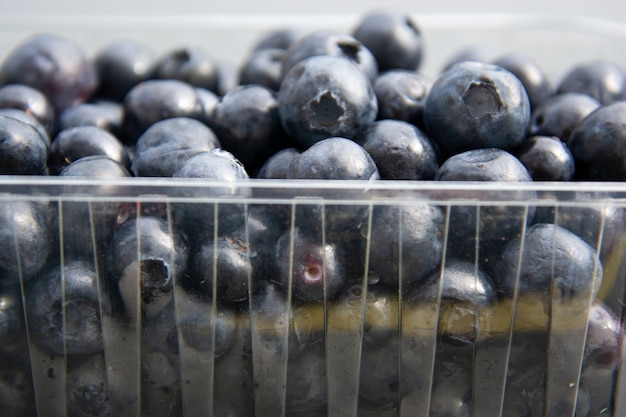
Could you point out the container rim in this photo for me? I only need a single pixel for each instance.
(271, 191)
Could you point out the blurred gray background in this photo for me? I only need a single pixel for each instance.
(605, 9)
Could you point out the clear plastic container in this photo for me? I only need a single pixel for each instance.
(117, 328)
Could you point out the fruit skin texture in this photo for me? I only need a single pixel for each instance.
(23, 151)
(401, 95)
(476, 105)
(487, 226)
(225, 266)
(247, 123)
(601, 79)
(54, 65)
(152, 100)
(166, 145)
(535, 81)
(191, 64)
(327, 42)
(406, 243)
(203, 220)
(334, 158)
(314, 270)
(78, 142)
(324, 96)
(161, 262)
(547, 158)
(393, 37)
(599, 144)
(559, 115)
(400, 150)
(30, 100)
(26, 239)
(64, 309)
(121, 65)
(555, 263)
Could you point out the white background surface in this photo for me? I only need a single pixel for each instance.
(604, 9)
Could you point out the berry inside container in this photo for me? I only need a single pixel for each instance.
(243, 222)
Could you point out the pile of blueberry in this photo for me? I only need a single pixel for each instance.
(307, 308)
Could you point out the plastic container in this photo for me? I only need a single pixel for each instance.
(370, 348)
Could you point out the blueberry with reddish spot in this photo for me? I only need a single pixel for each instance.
(312, 269)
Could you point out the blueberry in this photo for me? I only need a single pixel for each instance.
(535, 80)
(227, 77)
(604, 339)
(265, 225)
(65, 308)
(277, 39)
(10, 314)
(160, 394)
(282, 329)
(393, 37)
(54, 65)
(199, 220)
(191, 64)
(202, 327)
(547, 158)
(373, 306)
(88, 388)
(223, 267)
(122, 64)
(107, 115)
(263, 67)
(555, 263)
(208, 100)
(601, 79)
(596, 224)
(601, 358)
(560, 114)
(476, 105)
(379, 377)
(406, 243)
(165, 146)
(526, 373)
(597, 144)
(85, 227)
(95, 166)
(28, 118)
(452, 384)
(152, 101)
(233, 386)
(16, 387)
(485, 226)
(400, 150)
(23, 151)
(159, 333)
(311, 269)
(275, 167)
(77, 142)
(401, 95)
(335, 158)
(145, 257)
(27, 240)
(247, 123)
(30, 100)
(328, 42)
(306, 388)
(325, 96)
(472, 52)
(461, 289)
